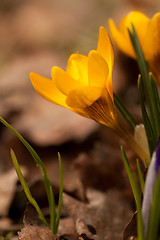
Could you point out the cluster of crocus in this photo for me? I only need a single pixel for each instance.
(86, 87)
(148, 32)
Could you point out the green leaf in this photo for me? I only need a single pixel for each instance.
(52, 212)
(136, 195)
(154, 120)
(148, 128)
(127, 116)
(155, 100)
(36, 159)
(26, 188)
(60, 192)
(154, 219)
(140, 176)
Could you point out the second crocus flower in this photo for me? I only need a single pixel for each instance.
(148, 32)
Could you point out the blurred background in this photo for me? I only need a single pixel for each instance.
(36, 35)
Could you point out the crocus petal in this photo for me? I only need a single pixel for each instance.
(138, 19)
(121, 37)
(63, 81)
(157, 164)
(77, 67)
(103, 111)
(148, 193)
(140, 22)
(80, 112)
(152, 38)
(47, 89)
(120, 40)
(97, 70)
(82, 97)
(149, 186)
(105, 48)
(141, 138)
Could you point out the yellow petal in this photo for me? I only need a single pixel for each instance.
(63, 81)
(80, 112)
(120, 39)
(103, 110)
(77, 67)
(97, 70)
(105, 48)
(140, 22)
(152, 39)
(47, 89)
(82, 97)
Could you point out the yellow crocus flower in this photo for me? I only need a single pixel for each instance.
(148, 32)
(86, 87)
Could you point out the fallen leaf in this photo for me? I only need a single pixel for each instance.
(130, 231)
(104, 217)
(8, 188)
(36, 233)
(33, 227)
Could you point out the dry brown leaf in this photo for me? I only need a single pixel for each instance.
(36, 233)
(104, 217)
(33, 228)
(96, 170)
(55, 124)
(131, 228)
(8, 187)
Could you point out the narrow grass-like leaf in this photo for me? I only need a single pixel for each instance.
(8, 236)
(141, 179)
(136, 195)
(26, 188)
(52, 212)
(60, 192)
(143, 66)
(54, 221)
(148, 128)
(128, 117)
(35, 157)
(154, 219)
(155, 99)
(155, 90)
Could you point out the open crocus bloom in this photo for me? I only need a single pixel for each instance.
(86, 85)
(148, 31)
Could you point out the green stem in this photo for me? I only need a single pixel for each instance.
(52, 212)
(128, 117)
(154, 117)
(60, 192)
(148, 128)
(136, 195)
(26, 188)
(35, 157)
(140, 176)
(131, 141)
(154, 218)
